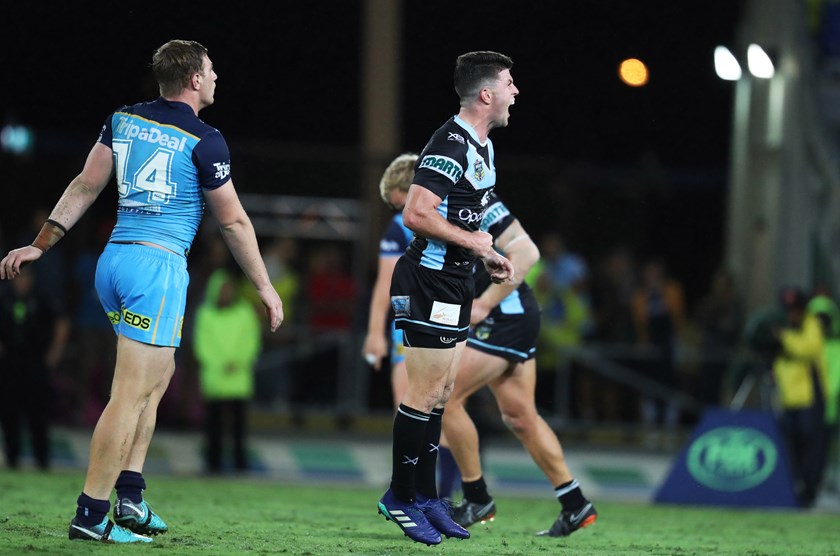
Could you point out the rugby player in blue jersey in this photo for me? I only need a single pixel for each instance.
(500, 354)
(167, 164)
(393, 188)
(432, 285)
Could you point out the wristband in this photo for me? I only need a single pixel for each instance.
(49, 235)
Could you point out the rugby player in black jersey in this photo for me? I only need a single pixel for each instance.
(432, 286)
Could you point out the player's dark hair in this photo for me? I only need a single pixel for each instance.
(175, 63)
(474, 70)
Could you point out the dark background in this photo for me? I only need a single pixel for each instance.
(584, 154)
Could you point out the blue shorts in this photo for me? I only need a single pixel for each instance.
(144, 292)
(397, 351)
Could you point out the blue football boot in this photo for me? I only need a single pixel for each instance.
(439, 514)
(138, 517)
(104, 532)
(409, 518)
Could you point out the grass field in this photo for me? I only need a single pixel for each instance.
(243, 516)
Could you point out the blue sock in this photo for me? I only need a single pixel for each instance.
(130, 484)
(448, 473)
(89, 511)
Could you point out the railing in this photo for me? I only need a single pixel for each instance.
(621, 364)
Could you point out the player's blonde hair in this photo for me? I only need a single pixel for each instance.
(398, 175)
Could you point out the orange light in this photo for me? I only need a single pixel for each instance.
(633, 72)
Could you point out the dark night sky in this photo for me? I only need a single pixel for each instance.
(288, 71)
(289, 74)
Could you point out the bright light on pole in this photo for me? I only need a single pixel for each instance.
(726, 65)
(759, 62)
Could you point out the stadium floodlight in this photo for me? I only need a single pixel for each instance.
(726, 65)
(759, 62)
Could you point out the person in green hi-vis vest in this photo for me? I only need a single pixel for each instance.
(227, 342)
(825, 308)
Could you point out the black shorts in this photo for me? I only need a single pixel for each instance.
(431, 308)
(511, 337)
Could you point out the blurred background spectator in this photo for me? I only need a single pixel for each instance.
(560, 283)
(719, 317)
(33, 334)
(799, 371)
(613, 287)
(823, 306)
(226, 343)
(92, 334)
(659, 314)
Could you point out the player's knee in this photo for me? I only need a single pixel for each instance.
(519, 422)
(446, 393)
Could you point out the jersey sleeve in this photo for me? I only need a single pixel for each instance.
(393, 243)
(106, 134)
(441, 165)
(212, 158)
(497, 218)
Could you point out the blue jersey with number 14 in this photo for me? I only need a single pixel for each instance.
(163, 156)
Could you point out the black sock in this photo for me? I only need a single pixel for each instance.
(570, 495)
(90, 511)
(427, 466)
(476, 491)
(409, 432)
(130, 484)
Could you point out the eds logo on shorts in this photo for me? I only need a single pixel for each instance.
(401, 305)
(137, 321)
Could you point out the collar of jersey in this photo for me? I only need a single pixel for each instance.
(468, 128)
(175, 105)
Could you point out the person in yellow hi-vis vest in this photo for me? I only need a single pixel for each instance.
(799, 370)
(227, 342)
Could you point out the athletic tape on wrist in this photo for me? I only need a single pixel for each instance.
(49, 235)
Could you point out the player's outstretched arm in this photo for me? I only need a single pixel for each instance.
(77, 198)
(376, 342)
(238, 233)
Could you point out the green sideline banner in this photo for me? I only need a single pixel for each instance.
(734, 458)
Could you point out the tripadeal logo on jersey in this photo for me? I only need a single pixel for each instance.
(128, 129)
(443, 165)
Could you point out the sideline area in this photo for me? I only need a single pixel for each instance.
(605, 472)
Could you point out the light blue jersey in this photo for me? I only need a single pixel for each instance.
(163, 157)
